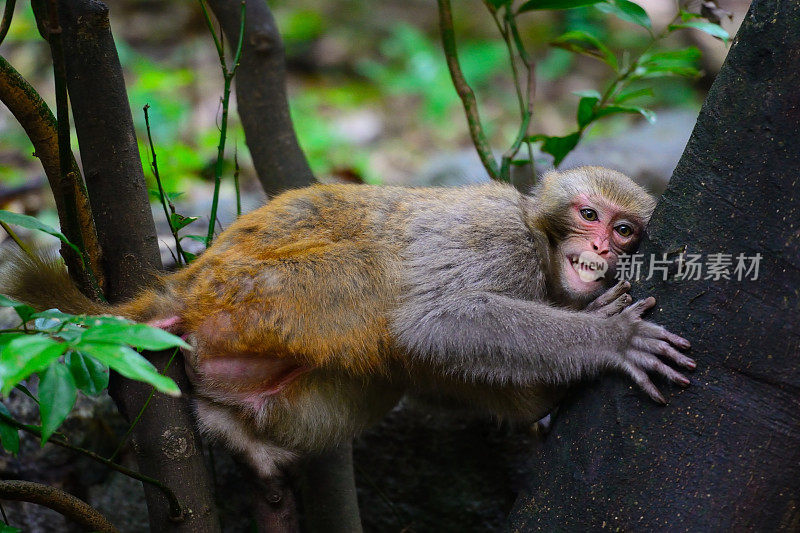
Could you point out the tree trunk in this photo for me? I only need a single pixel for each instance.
(165, 441)
(725, 453)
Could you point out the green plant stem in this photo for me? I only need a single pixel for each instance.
(227, 74)
(464, 91)
(141, 412)
(8, 14)
(161, 193)
(236, 187)
(176, 510)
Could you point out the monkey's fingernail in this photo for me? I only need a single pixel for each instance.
(691, 364)
(684, 382)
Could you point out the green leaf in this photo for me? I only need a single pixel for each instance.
(178, 221)
(580, 42)
(57, 394)
(558, 147)
(687, 15)
(532, 5)
(631, 95)
(25, 355)
(5, 528)
(589, 93)
(499, 3)
(626, 11)
(24, 311)
(90, 375)
(715, 30)
(617, 109)
(9, 435)
(586, 110)
(138, 335)
(671, 63)
(198, 238)
(130, 364)
(29, 222)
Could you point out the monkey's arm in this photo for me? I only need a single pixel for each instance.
(502, 340)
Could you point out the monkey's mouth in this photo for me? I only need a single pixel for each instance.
(589, 266)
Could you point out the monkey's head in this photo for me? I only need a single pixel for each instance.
(590, 216)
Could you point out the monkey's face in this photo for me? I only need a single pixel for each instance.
(599, 231)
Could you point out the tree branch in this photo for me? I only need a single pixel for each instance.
(56, 499)
(464, 91)
(261, 96)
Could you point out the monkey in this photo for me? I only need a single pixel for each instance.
(311, 316)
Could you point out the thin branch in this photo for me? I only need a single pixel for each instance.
(8, 14)
(176, 511)
(16, 239)
(58, 500)
(161, 193)
(464, 91)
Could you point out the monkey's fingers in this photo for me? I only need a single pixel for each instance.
(662, 348)
(609, 297)
(652, 364)
(637, 309)
(640, 378)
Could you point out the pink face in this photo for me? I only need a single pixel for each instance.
(601, 231)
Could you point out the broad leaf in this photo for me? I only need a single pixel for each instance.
(138, 335)
(715, 30)
(130, 364)
(57, 394)
(533, 5)
(29, 222)
(25, 355)
(631, 95)
(90, 375)
(586, 110)
(23, 311)
(626, 10)
(617, 109)
(9, 435)
(558, 147)
(178, 221)
(580, 42)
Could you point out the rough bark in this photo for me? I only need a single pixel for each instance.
(165, 440)
(725, 454)
(261, 96)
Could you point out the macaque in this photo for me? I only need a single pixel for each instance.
(310, 317)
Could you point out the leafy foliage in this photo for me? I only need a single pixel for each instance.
(72, 353)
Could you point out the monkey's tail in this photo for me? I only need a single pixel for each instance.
(42, 282)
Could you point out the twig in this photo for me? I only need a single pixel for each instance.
(227, 74)
(8, 14)
(176, 511)
(236, 170)
(58, 500)
(464, 91)
(161, 193)
(141, 412)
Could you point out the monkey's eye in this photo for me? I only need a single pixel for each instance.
(624, 230)
(589, 214)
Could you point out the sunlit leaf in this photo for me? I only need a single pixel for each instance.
(57, 394)
(715, 30)
(90, 375)
(178, 221)
(138, 335)
(532, 5)
(626, 10)
(25, 355)
(580, 42)
(130, 364)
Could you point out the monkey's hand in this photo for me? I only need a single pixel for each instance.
(646, 344)
(611, 302)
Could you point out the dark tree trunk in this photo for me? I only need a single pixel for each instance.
(165, 441)
(261, 96)
(725, 453)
